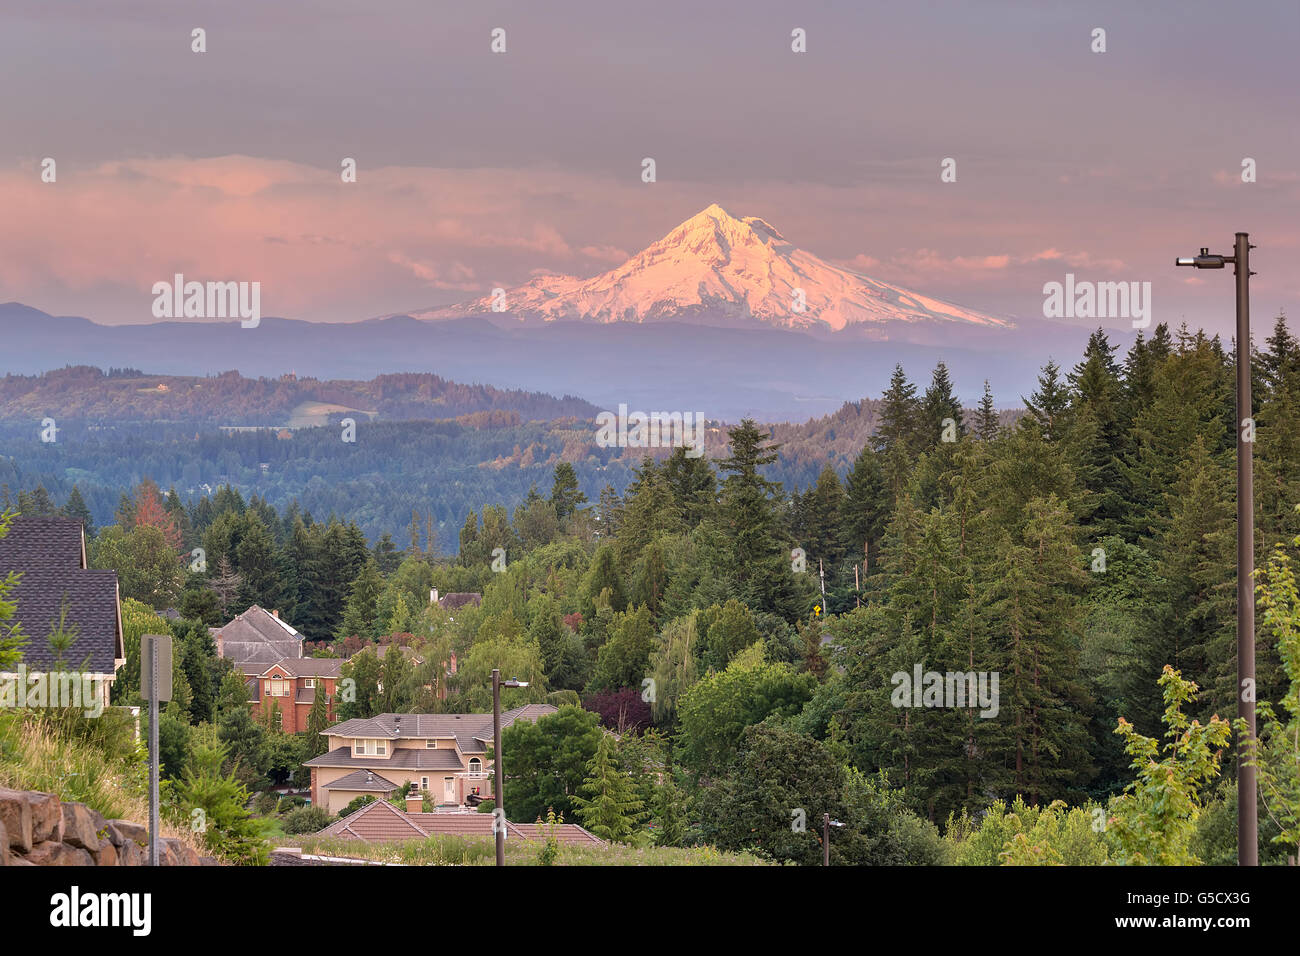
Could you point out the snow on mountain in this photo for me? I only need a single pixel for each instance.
(724, 269)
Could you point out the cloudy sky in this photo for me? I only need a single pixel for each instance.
(478, 169)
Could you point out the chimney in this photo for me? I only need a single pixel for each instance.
(433, 595)
(414, 803)
(276, 615)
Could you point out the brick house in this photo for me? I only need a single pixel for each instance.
(256, 639)
(290, 685)
(444, 755)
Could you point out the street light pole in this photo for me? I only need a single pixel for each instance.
(499, 814)
(1247, 814)
(1247, 825)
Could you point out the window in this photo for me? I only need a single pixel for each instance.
(277, 687)
(430, 745)
(424, 783)
(309, 683)
(369, 748)
(475, 765)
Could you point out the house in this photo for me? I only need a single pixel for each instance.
(456, 600)
(443, 755)
(49, 555)
(256, 639)
(290, 685)
(381, 822)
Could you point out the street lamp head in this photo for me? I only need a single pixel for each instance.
(514, 683)
(1203, 261)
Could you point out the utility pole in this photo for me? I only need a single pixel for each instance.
(1247, 809)
(821, 573)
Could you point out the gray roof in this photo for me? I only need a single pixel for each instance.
(308, 666)
(41, 542)
(458, 599)
(362, 780)
(472, 731)
(92, 602)
(257, 639)
(403, 758)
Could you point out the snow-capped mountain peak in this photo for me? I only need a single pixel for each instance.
(716, 268)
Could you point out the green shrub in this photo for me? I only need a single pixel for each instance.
(356, 805)
(307, 820)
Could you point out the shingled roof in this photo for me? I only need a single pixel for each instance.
(257, 639)
(381, 822)
(403, 758)
(361, 780)
(43, 542)
(473, 732)
(49, 556)
(308, 666)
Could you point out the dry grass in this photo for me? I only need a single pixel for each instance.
(96, 763)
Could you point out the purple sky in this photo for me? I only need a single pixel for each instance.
(478, 169)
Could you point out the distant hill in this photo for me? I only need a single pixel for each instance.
(118, 396)
(768, 373)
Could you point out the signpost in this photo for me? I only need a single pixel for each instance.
(155, 685)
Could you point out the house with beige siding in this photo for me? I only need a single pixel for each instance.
(442, 755)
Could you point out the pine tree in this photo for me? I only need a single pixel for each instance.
(1050, 404)
(938, 406)
(1098, 430)
(361, 614)
(11, 634)
(825, 508)
(1034, 593)
(566, 496)
(693, 484)
(75, 507)
(759, 567)
(986, 416)
(866, 509)
(608, 804)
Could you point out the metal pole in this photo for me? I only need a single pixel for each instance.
(499, 824)
(1247, 823)
(153, 752)
(826, 839)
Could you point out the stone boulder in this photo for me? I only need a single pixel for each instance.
(47, 817)
(82, 827)
(55, 853)
(16, 816)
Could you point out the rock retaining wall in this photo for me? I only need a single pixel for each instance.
(39, 829)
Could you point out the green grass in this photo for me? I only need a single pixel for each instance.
(479, 851)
